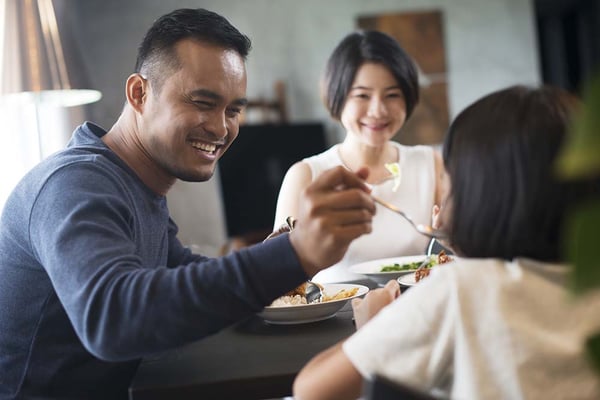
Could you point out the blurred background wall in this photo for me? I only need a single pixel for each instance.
(489, 43)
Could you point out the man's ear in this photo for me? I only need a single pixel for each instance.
(136, 91)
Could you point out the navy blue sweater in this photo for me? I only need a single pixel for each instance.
(93, 278)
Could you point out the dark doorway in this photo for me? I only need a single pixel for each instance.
(569, 41)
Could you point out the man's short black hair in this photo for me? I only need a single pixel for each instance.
(157, 54)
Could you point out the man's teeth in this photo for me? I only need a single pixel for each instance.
(204, 146)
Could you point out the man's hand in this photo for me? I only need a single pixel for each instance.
(374, 301)
(334, 210)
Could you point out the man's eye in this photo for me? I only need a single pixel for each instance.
(233, 112)
(203, 103)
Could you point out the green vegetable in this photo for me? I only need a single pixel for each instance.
(405, 267)
(394, 169)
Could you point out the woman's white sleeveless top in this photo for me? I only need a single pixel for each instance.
(391, 236)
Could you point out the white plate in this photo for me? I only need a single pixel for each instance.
(407, 280)
(372, 269)
(304, 313)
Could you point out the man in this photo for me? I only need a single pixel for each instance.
(92, 277)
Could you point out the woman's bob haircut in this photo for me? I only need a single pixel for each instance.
(351, 53)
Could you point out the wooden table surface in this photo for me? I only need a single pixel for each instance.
(250, 360)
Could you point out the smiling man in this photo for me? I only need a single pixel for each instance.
(184, 123)
(92, 276)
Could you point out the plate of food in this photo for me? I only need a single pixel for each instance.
(422, 273)
(384, 269)
(292, 308)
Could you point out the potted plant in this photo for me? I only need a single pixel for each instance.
(580, 159)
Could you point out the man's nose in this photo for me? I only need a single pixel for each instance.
(217, 124)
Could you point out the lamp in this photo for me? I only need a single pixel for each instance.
(37, 66)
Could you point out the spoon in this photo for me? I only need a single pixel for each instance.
(426, 230)
(313, 292)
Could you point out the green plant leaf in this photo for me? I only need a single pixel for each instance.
(582, 246)
(593, 348)
(580, 157)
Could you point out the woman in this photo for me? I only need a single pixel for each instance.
(370, 86)
(499, 322)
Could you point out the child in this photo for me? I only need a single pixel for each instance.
(499, 322)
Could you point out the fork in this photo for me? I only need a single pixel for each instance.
(426, 230)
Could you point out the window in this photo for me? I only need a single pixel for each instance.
(21, 147)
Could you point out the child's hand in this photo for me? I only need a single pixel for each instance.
(374, 301)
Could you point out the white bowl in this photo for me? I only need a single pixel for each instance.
(303, 313)
(407, 280)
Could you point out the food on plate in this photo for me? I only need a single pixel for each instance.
(300, 290)
(442, 258)
(294, 297)
(297, 296)
(394, 169)
(342, 294)
(402, 267)
(285, 300)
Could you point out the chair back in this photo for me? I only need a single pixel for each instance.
(381, 388)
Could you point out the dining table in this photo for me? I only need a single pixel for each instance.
(252, 359)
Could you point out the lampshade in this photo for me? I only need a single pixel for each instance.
(39, 63)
